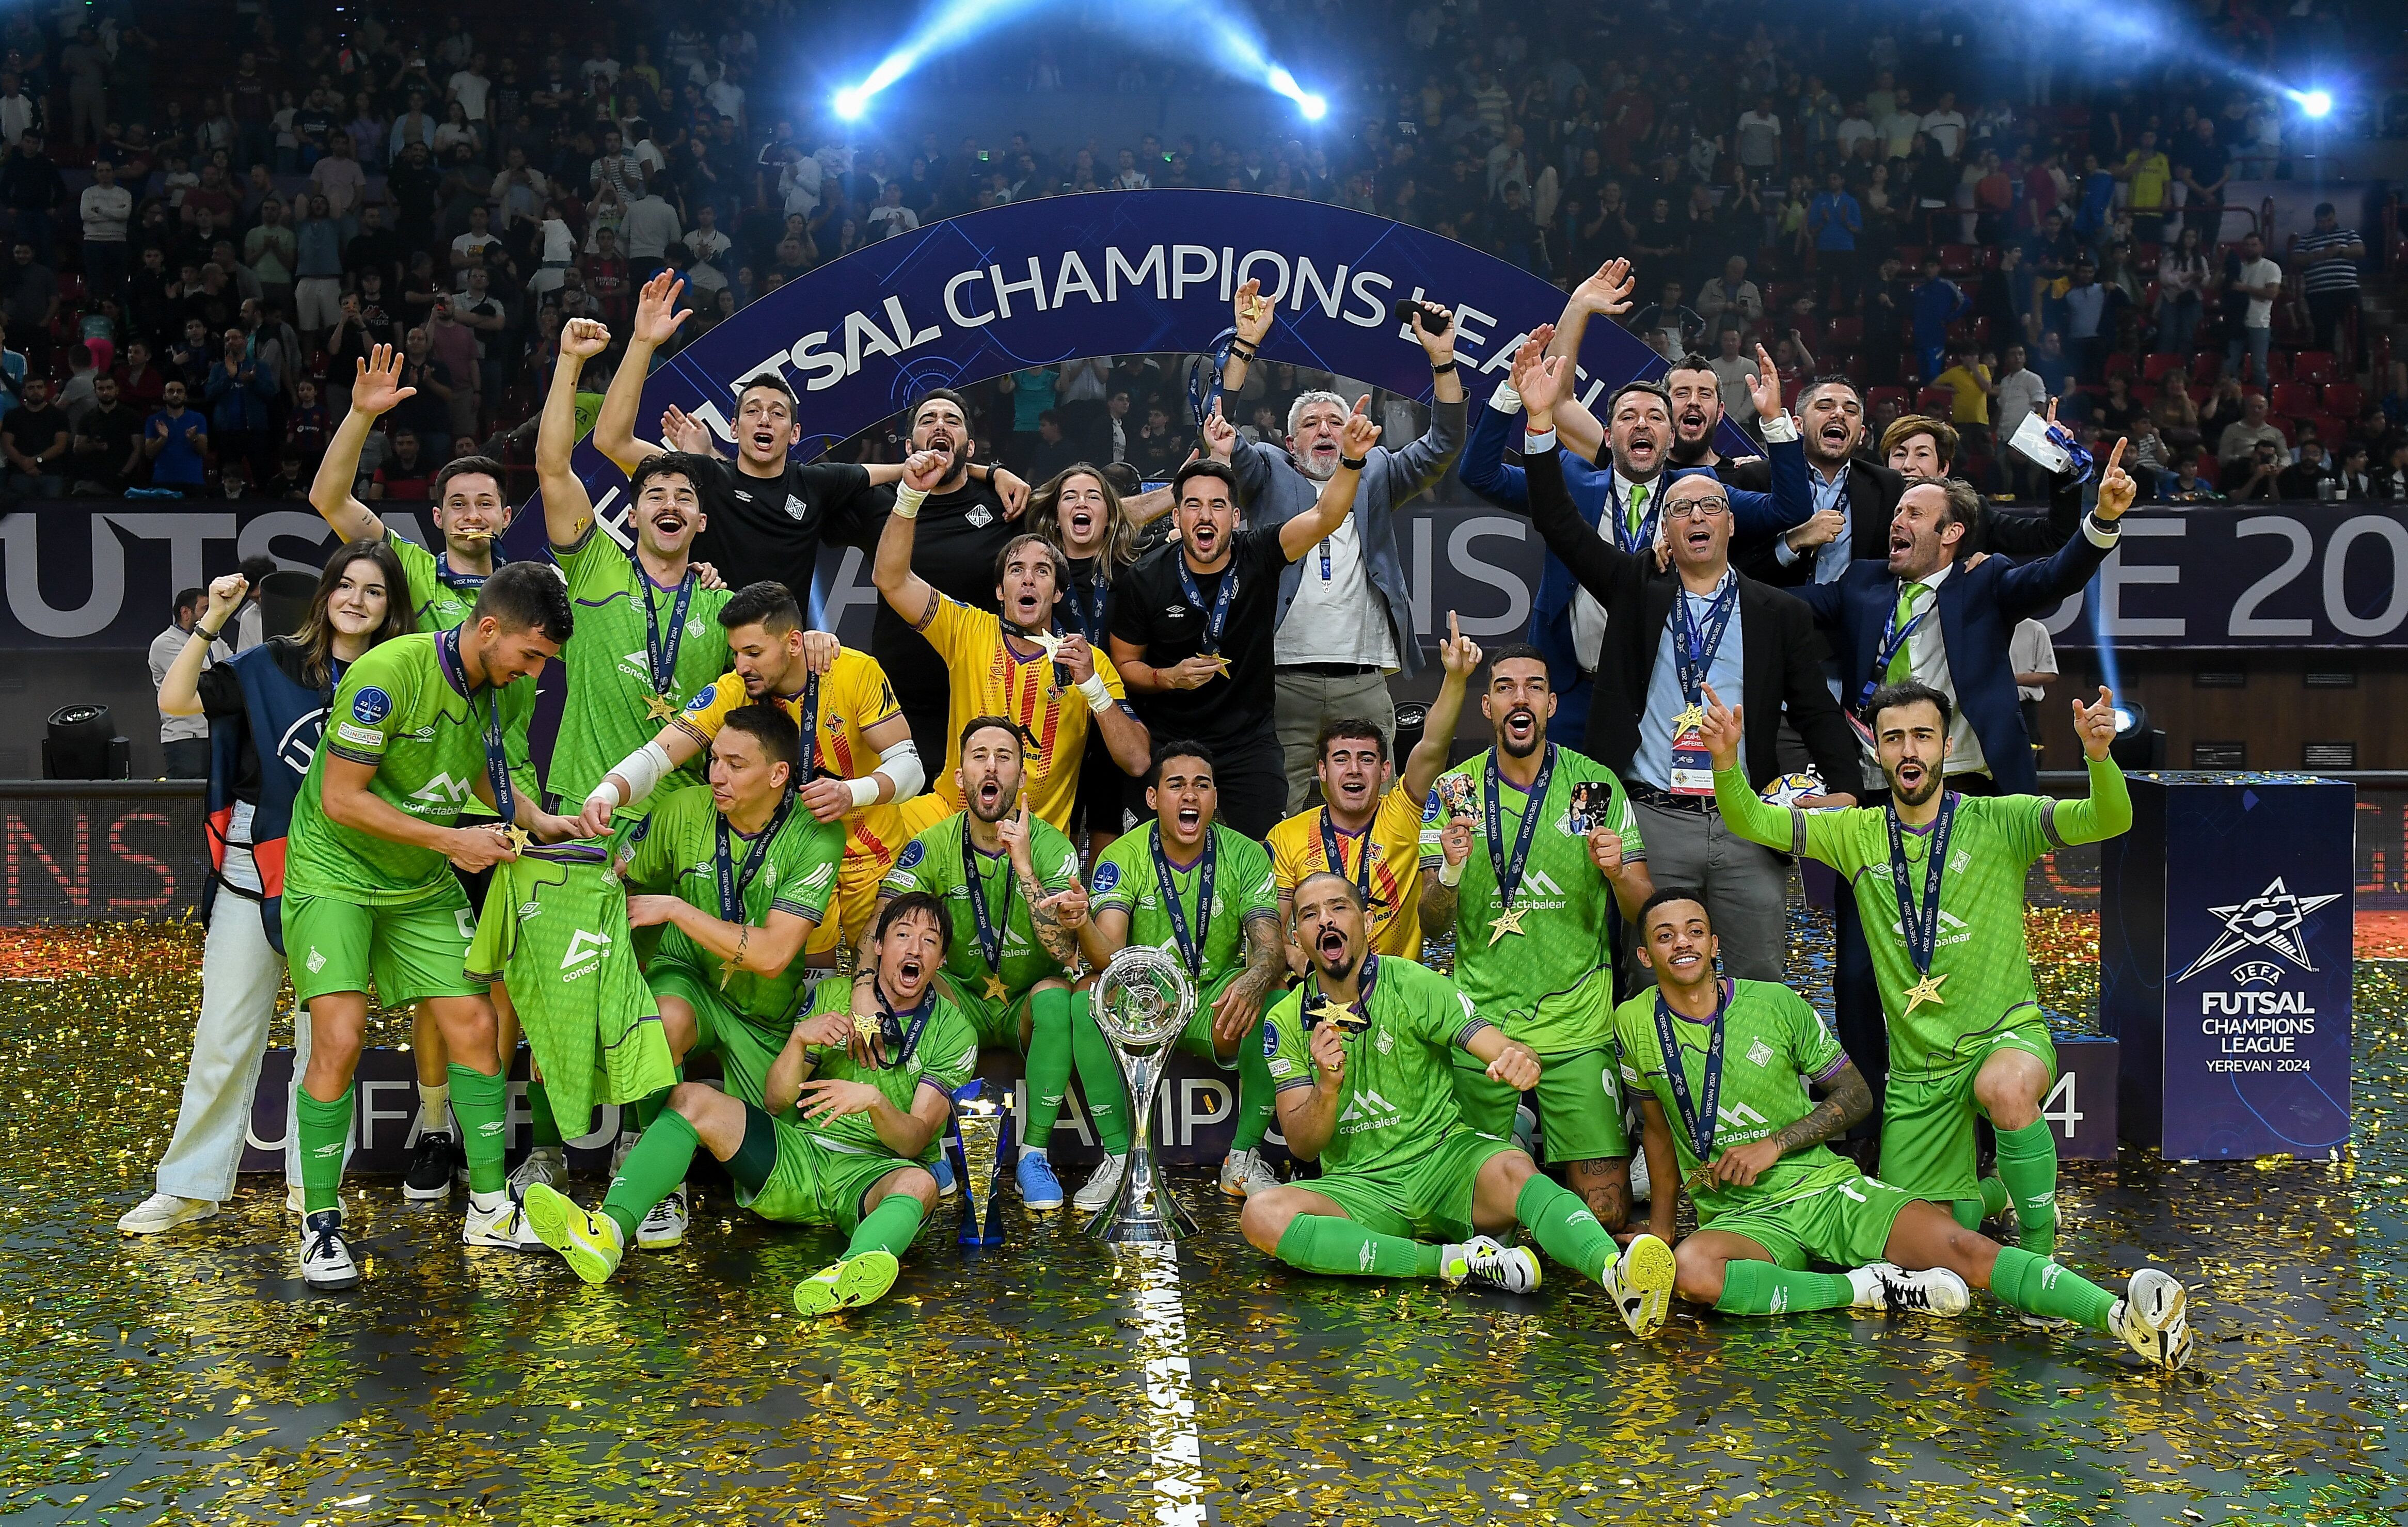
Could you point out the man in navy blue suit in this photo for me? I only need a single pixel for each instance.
(1921, 616)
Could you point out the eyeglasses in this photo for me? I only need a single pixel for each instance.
(1697, 509)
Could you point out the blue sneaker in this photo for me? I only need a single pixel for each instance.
(1038, 1187)
(946, 1186)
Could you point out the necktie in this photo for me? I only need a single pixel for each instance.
(1901, 667)
(1635, 513)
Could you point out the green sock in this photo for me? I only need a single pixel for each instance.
(648, 1109)
(1565, 1228)
(1099, 1078)
(1049, 1062)
(325, 1129)
(652, 1171)
(2036, 1285)
(481, 1104)
(889, 1227)
(1254, 1091)
(1321, 1243)
(1759, 1288)
(2028, 1169)
(547, 1127)
(1967, 1212)
(1993, 1198)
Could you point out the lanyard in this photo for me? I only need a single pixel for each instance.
(905, 1041)
(807, 706)
(1191, 950)
(1089, 609)
(1216, 620)
(732, 883)
(1325, 559)
(1333, 849)
(1322, 1007)
(1700, 1123)
(990, 937)
(497, 767)
(461, 582)
(1893, 640)
(661, 653)
(1920, 925)
(1694, 656)
(1629, 540)
(1509, 871)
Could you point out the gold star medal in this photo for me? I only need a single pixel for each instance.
(660, 707)
(1926, 989)
(1220, 664)
(518, 837)
(995, 991)
(1689, 721)
(727, 969)
(1509, 921)
(1045, 640)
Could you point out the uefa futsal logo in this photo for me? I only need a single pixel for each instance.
(2274, 921)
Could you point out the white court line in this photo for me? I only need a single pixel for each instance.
(1177, 1453)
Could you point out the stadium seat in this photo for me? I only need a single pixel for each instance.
(2278, 366)
(2156, 366)
(2119, 364)
(1911, 256)
(1938, 402)
(2206, 366)
(1958, 260)
(1846, 331)
(1875, 396)
(2311, 365)
(2294, 399)
(2342, 398)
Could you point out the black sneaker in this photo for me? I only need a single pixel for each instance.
(431, 1162)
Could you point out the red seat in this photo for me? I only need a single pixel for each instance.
(2206, 366)
(1911, 256)
(2278, 366)
(1846, 331)
(2146, 395)
(2119, 363)
(2332, 431)
(1958, 260)
(2311, 365)
(2157, 367)
(2342, 398)
(1874, 398)
(2296, 399)
(1938, 402)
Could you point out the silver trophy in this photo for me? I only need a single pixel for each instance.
(1142, 1001)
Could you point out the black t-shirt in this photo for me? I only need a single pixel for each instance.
(33, 431)
(772, 527)
(1151, 610)
(110, 433)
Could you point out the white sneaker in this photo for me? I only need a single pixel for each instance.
(1935, 1291)
(1640, 1283)
(1490, 1264)
(501, 1225)
(547, 1165)
(1866, 1283)
(1640, 1183)
(162, 1212)
(665, 1225)
(2153, 1318)
(327, 1263)
(1245, 1173)
(1101, 1185)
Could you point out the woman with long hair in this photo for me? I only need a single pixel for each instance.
(1079, 511)
(266, 708)
(2182, 279)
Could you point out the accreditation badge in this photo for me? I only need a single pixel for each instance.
(1693, 766)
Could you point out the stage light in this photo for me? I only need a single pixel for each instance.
(1312, 106)
(2129, 717)
(850, 104)
(2314, 103)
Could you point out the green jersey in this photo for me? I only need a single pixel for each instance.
(1126, 880)
(1398, 1097)
(1771, 1039)
(1980, 958)
(933, 863)
(1526, 982)
(944, 1057)
(440, 600)
(404, 710)
(680, 857)
(609, 665)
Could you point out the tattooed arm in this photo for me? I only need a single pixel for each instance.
(1234, 1014)
(1847, 1098)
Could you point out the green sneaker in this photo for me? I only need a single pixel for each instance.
(588, 1242)
(849, 1284)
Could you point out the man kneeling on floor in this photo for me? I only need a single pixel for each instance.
(841, 1142)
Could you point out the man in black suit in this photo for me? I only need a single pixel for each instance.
(1853, 500)
(1668, 632)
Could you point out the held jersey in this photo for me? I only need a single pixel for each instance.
(554, 930)
(1242, 889)
(1981, 955)
(853, 696)
(1398, 1097)
(932, 862)
(399, 710)
(679, 857)
(1525, 983)
(609, 665)
(1771, 1039)
(1392, 841)
(988, 679)
(944, 1057)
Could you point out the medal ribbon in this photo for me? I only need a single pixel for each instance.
(1892, 638)
(1333, 848)
(1694, 655)
(808, 716)
(1191, 950)
(990, 935)
(1701, 1122)
(1921, 927)
(732, 883)
(1090, 607)
(1216, 620)
(906, 1041)
(1509, 871)
(661, 654)
(498, 767)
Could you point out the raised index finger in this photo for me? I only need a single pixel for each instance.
(1453, 631)
(2115, 457)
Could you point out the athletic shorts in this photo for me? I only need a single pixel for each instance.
(1580, 1105)
(809, 1182)
(997, 1023)
(1197, 1038)
(1429, 1200)
(404, 953)
(745, 1053)
(1927, 1134)
(873, 836)
(1847, 1224)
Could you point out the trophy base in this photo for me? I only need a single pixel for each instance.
(1144, 1218)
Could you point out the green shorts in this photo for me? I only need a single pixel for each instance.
(405, 953)
(1847, 1224)
(1427, 1201)
(1197, 1038)
(745, 1052)
(814, 1183)
(997, 1023)
(1580, 1105)
(1927, 1136)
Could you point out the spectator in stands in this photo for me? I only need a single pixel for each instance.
(1730, 300)
(1668, 324)
(35, 437)
(2353, 482)
(2247, 436)
(241, 389)
(105, 452)
(31, 302)
(176, 441)
(1971, 387)
(2189, 485)
(2391, 482)
(184, 740)
(1938, 301)
(2309, 477)
(2182, 280)
(2256, 474)
(34, 191)
(2258, 281)
(2328, 258)
(408, 473)
(105, 208)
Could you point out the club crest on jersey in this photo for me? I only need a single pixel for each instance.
(371, 705)
(913, 853)
(694, 627)
(795, 510)
(979, 515)
(1108, 875)
(1759, 1053)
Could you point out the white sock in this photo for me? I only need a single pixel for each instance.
(1868, 1286)
(487, 1203)
(434, 1107)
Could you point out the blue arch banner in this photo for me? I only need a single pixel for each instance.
(1112, 273)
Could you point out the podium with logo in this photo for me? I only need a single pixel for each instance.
(2225, 962)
